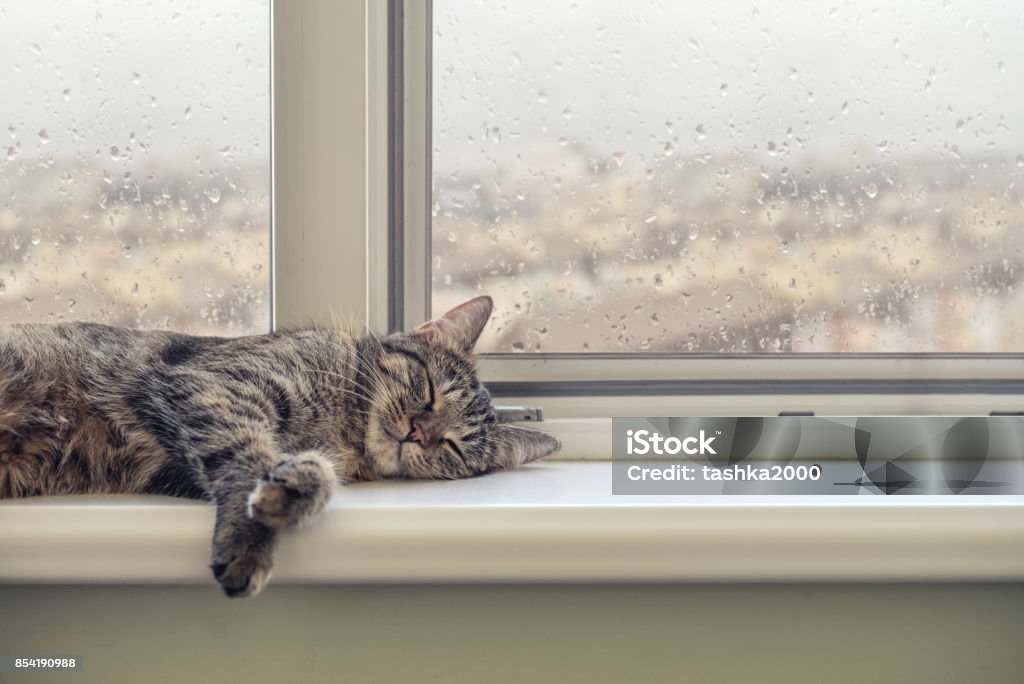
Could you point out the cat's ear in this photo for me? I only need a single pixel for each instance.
(461, 327)
(518, 445)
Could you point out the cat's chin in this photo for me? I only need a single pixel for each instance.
(385, 453)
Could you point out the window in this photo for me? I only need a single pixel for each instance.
(135, 174)
(730, 178)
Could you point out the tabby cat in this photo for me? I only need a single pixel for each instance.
(265, 426)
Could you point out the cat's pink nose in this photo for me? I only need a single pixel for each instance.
(419, 433)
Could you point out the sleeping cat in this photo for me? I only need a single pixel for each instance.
(265, 427)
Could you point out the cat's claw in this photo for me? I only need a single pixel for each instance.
(242, 576)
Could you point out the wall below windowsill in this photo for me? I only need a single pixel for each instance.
(549, 522)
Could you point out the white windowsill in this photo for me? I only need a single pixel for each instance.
(549, 522)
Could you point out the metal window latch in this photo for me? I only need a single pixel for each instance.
(519, 414)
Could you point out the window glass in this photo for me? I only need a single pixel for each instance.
(135, 163)
(791, 176)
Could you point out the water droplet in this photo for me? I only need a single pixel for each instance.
(959, 124)
(115, 153)
(12, 152)
(845, 108)
(1020, 160)
(213, 194)
(188, 113)
(701, 133)
(135, 288)
(871, 190)
(619, 155)
(670, 147)
(567, 113)
(44, 137)
(452, 237)
(724, 89)
(651, 218)
(37, 236)
(3, 286)
(37, 48)
(772, 147)
(659, 282)
(542, 96)
(694, 231)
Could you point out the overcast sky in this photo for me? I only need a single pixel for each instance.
(176, 74)
(920, 75)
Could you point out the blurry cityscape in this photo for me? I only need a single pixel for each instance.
(716, 254)
(172, 246)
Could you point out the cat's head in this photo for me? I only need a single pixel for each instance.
(429, 416)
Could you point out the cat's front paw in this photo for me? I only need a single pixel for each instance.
(294, 492)
(241, 571)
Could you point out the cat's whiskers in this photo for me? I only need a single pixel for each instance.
(358, 395)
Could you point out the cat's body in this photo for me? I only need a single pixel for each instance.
(264, 426)
(87, 408)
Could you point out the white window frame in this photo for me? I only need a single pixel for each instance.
(764, 383)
